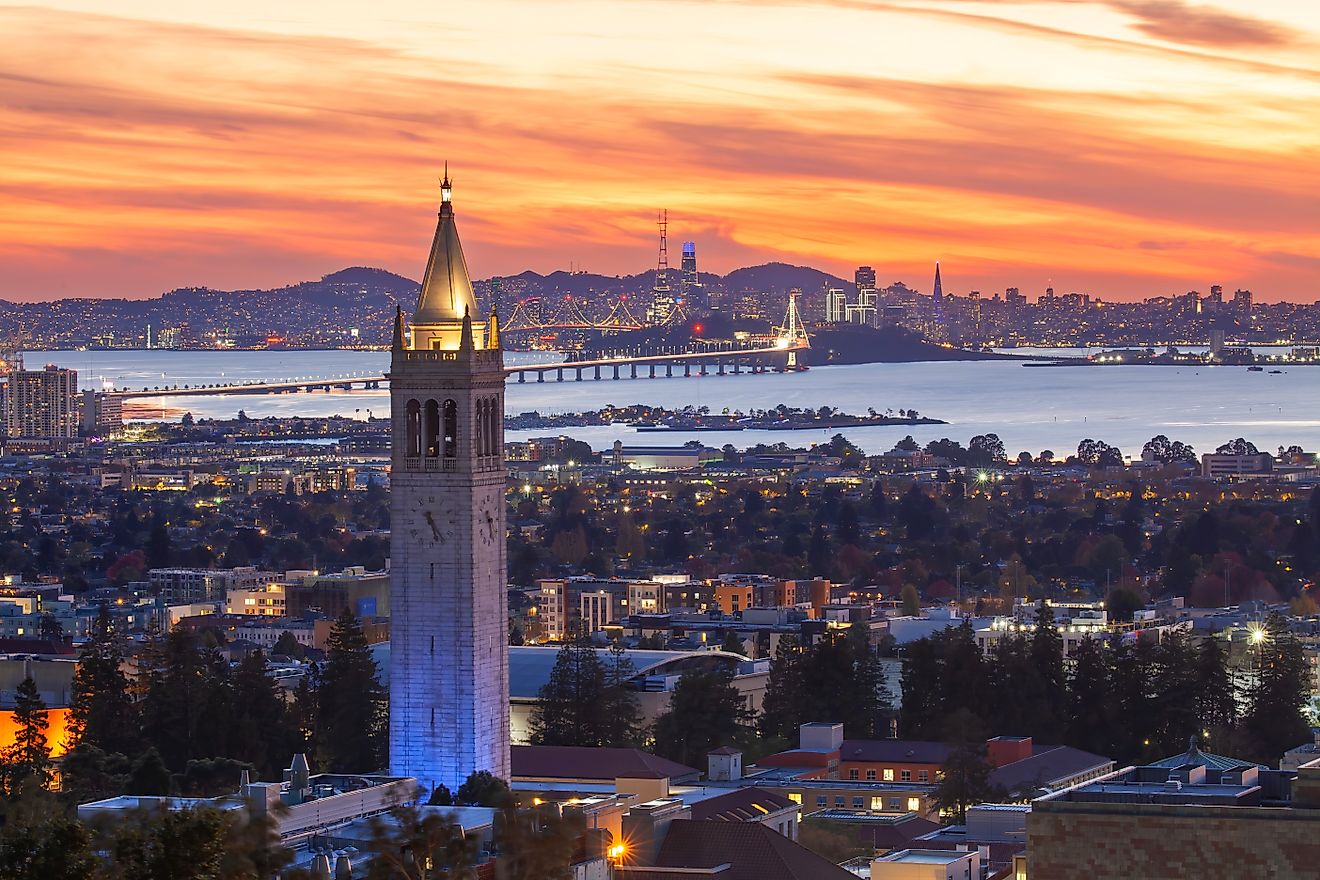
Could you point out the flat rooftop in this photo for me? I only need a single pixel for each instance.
(926, 856)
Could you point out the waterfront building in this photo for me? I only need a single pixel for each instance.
(449, 704)
(42, 404)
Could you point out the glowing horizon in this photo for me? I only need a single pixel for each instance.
(1126, 148)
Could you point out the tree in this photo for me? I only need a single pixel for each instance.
(911, 601)
(1273, 722)
(27, 762)
(39, 842)
(50, 629)
(482, 789)
(101, 711)
(568, 710)
(419, 844)
(287, 645)
(623, 724)
(966, 779)
(781, 707)
(264, 731)
(1239, 446)
(985, 449)
(1089, 719)
(1216, 706)
(1047, 659)
(351, 704)
(732, 643)
(706, 711)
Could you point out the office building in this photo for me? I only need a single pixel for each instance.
(42, 404)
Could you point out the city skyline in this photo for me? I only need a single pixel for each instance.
(188, 159)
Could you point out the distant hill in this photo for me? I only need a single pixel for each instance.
(354, 305)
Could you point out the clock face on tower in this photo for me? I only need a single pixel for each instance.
(487, 524)
(427, 526)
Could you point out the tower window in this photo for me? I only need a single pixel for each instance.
(481, 426)
(432, 433)
(413, 419)
(451, 429)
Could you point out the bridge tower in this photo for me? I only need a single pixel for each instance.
(793, 334)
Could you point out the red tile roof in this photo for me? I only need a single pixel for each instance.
(594, 764)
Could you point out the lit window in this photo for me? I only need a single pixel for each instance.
(877, 804)
(914, 805)
(889, 774)
(795, 797)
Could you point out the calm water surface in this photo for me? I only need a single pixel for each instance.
(1031, 408)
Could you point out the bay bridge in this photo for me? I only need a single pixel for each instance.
(774, 353)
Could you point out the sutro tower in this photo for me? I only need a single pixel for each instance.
(662, 297)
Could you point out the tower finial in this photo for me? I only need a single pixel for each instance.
(446, 186)
(465, 340)
(397, 345)
(493, 333)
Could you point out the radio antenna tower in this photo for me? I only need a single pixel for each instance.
(663, 296)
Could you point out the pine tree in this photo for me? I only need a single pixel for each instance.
(1216, 699)
(1175, 693)
(1274, 722)
(1131, 675)
(568, 709)
(1047, 661)
(781, 707)
(188, 708)
(966, 777)
(919, 714)
(27, 762)
(263, 733)
(622, 710)
(352, 722)
(706, 711)
(101, 713)
(1089, 722)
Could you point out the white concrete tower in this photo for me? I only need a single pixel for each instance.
(449, 682)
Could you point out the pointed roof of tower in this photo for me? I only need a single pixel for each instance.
(938, 285)
(446, 287)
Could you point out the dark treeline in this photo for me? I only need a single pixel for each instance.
(1133, 702)
(188, 722)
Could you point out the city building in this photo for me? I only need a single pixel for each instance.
(101, 412)
(183, 586)
(42, 404)
(449, 691)
(1218, 464)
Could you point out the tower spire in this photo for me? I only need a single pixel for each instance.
(493, 334)
(397, 344)
(446, 293)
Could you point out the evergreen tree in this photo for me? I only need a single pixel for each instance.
(1089, 724)
(1216, 699)
(264, 730)
(911, 601)
(781, 707)
(1274, 722)
(27, 762)
(820, 558)
(188, 708)
(1131, 675)
(101, 712)
(1047, 660)
(420, 843)
(920, 714)
(352, 721)
(1175, 693)
(622, 710)
(966, 779)
(732, 643)
(569, 706)
(706, 711)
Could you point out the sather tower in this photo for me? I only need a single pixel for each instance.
(449, 685)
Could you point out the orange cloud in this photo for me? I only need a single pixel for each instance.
(138, 155)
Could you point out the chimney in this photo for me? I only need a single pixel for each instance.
(1003, 750)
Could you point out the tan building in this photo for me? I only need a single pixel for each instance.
(1170, 823)
(42, 404)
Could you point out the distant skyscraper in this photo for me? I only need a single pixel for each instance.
(1242, 303)
(836, 305)
(449, 675)
(42, 404)
(662, 296)
(937, 298)
(864, 278)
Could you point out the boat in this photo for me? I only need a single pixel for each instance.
(1255, 369)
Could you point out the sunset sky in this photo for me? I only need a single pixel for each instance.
(1123, 147)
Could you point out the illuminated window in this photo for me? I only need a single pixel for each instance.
(877, 804)
(914, 805)
(889, 774)
(795, 797)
